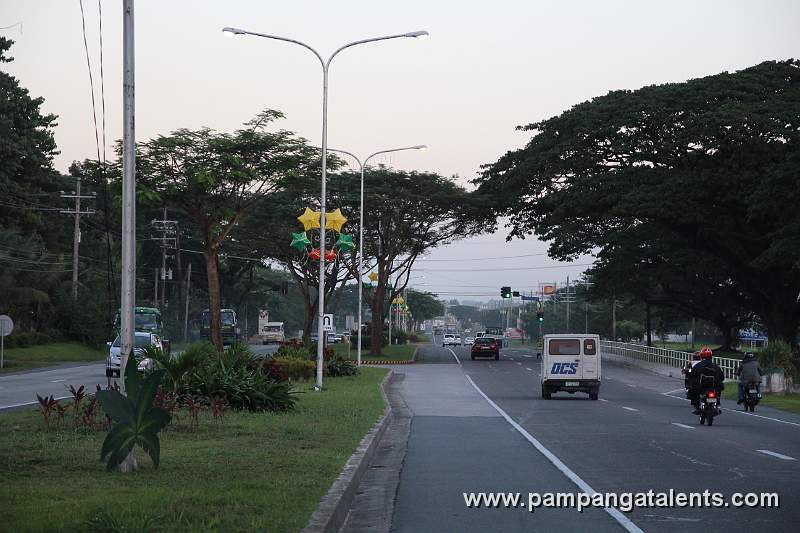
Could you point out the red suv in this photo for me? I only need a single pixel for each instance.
(485, 347)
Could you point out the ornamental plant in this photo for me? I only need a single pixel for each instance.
(138, 420)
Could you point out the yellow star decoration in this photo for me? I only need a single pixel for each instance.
(310, 219)
(373, 277)
(335, 220)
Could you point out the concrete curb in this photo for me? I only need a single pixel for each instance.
(332, 510)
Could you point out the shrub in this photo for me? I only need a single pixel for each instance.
(179, 366)
(339, 366)
(293, 349)
(778, 354)
(270, 368)
(297, 368)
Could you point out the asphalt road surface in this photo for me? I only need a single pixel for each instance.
(18, 390)
(492, 431)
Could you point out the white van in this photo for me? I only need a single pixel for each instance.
(571, 363)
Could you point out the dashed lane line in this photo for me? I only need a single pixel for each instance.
(778, 455)
(629, 408)
(684, 426)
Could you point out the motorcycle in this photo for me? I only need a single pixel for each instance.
(751, 397)
(709, 406)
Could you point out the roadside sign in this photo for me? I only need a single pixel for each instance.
(530, 298)
(6, 327)
(327, 322)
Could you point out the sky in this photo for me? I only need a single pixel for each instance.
(486, 68)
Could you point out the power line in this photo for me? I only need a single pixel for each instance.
(485, 258)
(508, 269)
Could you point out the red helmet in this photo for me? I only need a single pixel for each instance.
(706, 353)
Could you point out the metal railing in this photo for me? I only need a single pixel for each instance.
(650, 354)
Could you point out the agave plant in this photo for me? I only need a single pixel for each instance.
(138, 421)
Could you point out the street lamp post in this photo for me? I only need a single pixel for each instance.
(325, 67)
(361, 226)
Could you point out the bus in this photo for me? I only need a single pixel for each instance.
(229, 326)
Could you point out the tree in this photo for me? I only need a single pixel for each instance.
(424, 305)
(216, 178)
(713, 161)
(405, 215)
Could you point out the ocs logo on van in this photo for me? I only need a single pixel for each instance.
(564, 368)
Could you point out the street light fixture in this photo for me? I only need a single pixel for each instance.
(325, 67)
(363, 165)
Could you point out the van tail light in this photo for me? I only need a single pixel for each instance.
(712, 394)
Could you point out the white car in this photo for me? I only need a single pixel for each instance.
(469, 341)
(449, 340)
(142, 339)
(457, 340)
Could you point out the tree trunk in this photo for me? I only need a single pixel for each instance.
(648, 325)
(212, 274)
(727, 339)
(376, 328)
(308, 322)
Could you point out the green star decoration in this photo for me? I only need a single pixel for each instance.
(300, 241)
(345, 243)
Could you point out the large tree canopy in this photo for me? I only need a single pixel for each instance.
(714, 162)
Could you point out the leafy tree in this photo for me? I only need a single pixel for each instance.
(405, 215)
(424, 305)
(216, 178)
(713, 161)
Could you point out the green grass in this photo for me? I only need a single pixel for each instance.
(49, 355)
(787, 402)
(395, 352)
(251, 472)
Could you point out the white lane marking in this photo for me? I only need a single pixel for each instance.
(629, 408)
(520, 364)
(737, 411)
(2, 407)
(778, 455)
(456, 357)
(670, 392)
(526, 355)
(682, 425)
(623, 520)
(526, 368)
(58, 380)
(630, 385)
(511, 358)
(602, 399)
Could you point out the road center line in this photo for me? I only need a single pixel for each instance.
(602, 399)
(682, 425)
(455, 356)
(778, 455)
(526, 368)
(58, 380)
(629, 408)
(623, 520)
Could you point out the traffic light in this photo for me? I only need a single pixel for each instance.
(516, 294)
(505, 292)
(540, 315)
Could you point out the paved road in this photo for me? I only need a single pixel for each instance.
(640, 437)
(18, 390)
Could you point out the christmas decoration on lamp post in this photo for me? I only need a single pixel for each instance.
(334, 221)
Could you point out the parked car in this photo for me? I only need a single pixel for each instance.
(469, 341)
(142, 339)
(485, 347)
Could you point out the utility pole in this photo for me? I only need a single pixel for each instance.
(155, 288)
(693, 325)
(614, 319)
(128, 297)
(76, 238)
(166, 227)
(186, 308)
(568, 298)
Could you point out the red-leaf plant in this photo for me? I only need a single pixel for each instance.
(46, 406)
(78, 396)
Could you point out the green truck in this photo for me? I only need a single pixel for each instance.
(228, 324)
(145, 319)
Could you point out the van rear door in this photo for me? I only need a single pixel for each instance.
(591, 351)
(564, 358)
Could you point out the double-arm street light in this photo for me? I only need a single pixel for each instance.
(325, 67)
(361, 224)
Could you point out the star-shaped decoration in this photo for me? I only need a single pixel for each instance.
(309, 219)
(334, 220)
(345, 243)
(373, 277)
(314, 254)
(300, 241)
(330, 255)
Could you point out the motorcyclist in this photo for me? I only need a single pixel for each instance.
(748, 371)
(705, 368)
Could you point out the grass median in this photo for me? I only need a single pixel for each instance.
(395, 352)
(48, 355)
(787, 402)
(250, 472)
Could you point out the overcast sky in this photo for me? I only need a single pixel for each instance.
(487, 67)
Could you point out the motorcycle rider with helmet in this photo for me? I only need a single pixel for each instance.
(748, 371)
(705, 368)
